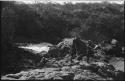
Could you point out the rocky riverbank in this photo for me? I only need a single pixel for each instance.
(51, 65)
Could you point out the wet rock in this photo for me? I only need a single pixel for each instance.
(85, 65)
(76, 67)
(88, 75)
(76, 61)
(32, 74)
(65, 42)
(67, 76)
(84, 71)
(54, 52)
(64, 62)
(66, 68)
(57, 78)
(42, 53)
(104, 69)
(51, 75)
(104, 65)
(7, 78)
(65, 46)
(55, 74)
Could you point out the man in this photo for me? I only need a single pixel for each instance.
(116, 48)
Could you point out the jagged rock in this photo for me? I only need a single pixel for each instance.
(51, 75)
(65, 46)
(31, 75)
(54, 52)
(57, 75)
(76, 67)
(104, 69)
(66, 68)
(104, 65)
(7, 78)
(65, 42)
(79, 49)
(75, 46)
(57, 78)
(88, 75)
(42, 53)
(67, 75)
(76, 61)
(64, 62)
(52, 62)
(85, 65)
(62, 75)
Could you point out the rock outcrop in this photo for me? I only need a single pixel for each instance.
(75, 70)
(58, 64)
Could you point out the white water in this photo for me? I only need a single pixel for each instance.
(35, 49)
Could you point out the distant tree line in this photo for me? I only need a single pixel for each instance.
(52, 22)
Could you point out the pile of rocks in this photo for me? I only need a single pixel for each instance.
(58, 64)
(66, 70)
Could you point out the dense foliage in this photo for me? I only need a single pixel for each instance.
(40, 22)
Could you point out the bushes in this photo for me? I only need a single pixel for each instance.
(44, 21)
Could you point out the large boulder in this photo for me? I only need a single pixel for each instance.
(65, 46)
(54, 52)
(79, 48)
(74, 46)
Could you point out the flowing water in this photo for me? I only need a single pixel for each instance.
(36, 48)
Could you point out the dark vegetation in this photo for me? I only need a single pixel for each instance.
(35, 23)
(40, 22)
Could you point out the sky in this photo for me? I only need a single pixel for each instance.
(73, 1)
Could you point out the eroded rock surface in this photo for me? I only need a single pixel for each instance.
(82, 71)
(58, 64)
